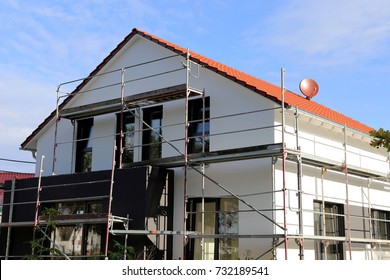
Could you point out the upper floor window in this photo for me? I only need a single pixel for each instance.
(128, 129)
(151, 136)
(380, 222)
(199, 129)
(84, 145)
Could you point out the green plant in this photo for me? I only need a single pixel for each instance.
(381, 138)
(39, 245)
(121, 251)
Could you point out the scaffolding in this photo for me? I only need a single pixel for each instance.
(197, 162)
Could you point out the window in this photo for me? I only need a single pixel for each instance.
(380, 223)
(84, 145)
(151, 148)
(220, 217)
(79, 239)
(199, 129)
(334, 226)
(128, 129)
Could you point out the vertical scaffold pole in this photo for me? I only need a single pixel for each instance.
(203, 172)
(10, 217)
(56, 132)
(347, 194)
(186, 142)
(323, 218)
(284, 154)
(110, 201)
(299, 182)
(369, 215)
(121, 118)
(39, 188)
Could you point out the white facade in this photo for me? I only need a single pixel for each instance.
(257, 181)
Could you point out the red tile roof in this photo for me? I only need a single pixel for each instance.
(267, 89)
(262, 87)
(7, 176)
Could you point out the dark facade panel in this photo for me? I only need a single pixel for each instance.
(130, 198)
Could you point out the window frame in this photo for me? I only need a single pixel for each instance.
(84, 145)
(198, 126)
(335, 217)
(219, 243)
(149, 115)
(126, 116)
(383, 223)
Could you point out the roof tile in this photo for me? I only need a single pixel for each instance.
(269, 89)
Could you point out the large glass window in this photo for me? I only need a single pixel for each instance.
(329, 221)
(380, 223)
(199, 129)
(79, 239)
(220, 217)
(151, 148)
(84, 145)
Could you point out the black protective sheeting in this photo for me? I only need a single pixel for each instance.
(129, 198)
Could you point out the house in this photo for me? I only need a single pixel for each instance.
(181, 156)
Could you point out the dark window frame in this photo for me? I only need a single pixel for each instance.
(127, 155)
(191, 225)
(197, 124)
(382, 225)
(335, 247)
(152, 150)
(83, 147)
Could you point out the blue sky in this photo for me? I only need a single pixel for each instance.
(343, 45)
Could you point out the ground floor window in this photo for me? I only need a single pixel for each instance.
(220, 217)
(380, 224)
(79, 240)
(329, 221)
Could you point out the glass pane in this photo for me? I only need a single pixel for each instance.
(209, 228)
(89, 135)
(87, 161)
(94, 207)
(333, 227)
(128, 145)
(71, 208)
(94, 240)
(155, 148)
(69, 239)
(198, 128)
(228, 224)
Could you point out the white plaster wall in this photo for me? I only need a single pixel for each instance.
(332, 188)
(138, 79)
(45, 146)
(244, 178)
(326, 141)
(103, 144)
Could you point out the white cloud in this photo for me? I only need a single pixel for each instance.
(332, 32)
